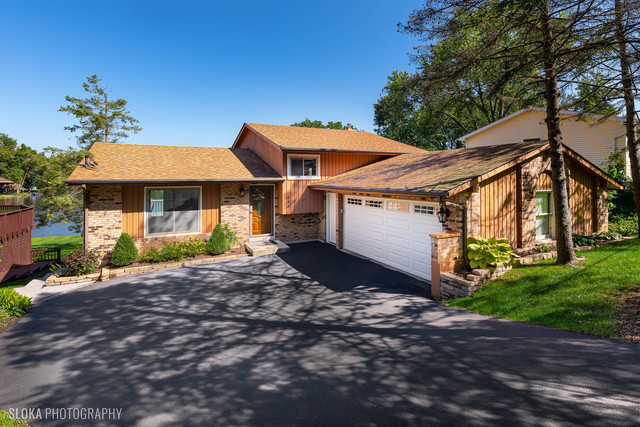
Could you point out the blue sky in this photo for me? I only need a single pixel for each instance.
(193, 72)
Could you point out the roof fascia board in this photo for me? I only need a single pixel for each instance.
(347, 151)
(377, 190)
(157, 181)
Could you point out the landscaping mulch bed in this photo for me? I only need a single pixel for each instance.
(239, 250)
(629, 317)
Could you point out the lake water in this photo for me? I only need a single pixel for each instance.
(36, 201)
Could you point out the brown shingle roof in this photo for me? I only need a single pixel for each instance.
(5, 181)
(439, 172)
(144, 163)
(302, 138)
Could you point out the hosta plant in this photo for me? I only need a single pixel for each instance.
(489, 252)
(14, 303)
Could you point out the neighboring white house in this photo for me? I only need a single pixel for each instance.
(593, 138)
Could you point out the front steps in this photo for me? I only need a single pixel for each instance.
(267, 248)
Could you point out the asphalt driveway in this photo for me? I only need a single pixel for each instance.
(290, 341)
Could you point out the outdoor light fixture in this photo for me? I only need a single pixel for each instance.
(443, 214)
(241, 190)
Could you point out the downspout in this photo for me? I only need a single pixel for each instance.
(463, 208)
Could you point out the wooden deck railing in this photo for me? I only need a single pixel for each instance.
(45, 254)
(15, 219)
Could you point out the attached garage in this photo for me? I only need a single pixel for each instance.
(391, 231)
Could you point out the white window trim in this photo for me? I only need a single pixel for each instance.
(303, 177)
(549, 214)
(146, 214)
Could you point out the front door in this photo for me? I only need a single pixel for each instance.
(261, 210)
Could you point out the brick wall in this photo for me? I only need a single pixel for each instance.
(602, 215)
(296, 227)
(446, 255)
(103, 217)
(236, 210)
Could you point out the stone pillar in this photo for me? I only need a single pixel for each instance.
(103, 217)
(446, 255)
(235, 209)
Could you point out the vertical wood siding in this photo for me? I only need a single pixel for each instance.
(295, 197)
(133, 206)
(499, 206)
(267, 151)
(581, 199)
(544, 181)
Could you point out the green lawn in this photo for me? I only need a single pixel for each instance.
(66, 245)
(579, 299)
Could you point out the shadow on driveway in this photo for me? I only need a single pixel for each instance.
(253, 341)
(342, 272)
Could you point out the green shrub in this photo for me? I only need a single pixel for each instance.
(489, 252)
(232, 236)
(607, 235)
(217, 243)
(151, 255)
(124, 252)
(581, 239)
(14, 303)
(171, 251)
(543, 248)
(79, 262)
(626, 227)
(193, 247)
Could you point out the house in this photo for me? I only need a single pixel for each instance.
(593, 136)
(5, 184)
(401, 206)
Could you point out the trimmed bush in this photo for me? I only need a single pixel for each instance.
(79, 262)
(124, 252)
(217, 243)
(14, 303)
(232, 237)
(193, 247)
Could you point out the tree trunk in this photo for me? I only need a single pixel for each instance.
(564, 239)
(630, 111)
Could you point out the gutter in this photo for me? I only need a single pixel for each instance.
(160, 181)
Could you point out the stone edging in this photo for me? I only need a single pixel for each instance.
(452, 286)
(106, 273)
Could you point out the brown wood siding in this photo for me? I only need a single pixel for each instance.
(498, 206)
(544, 181)
(295, 196)
(581, 199)
(265, 149)
(133, 206)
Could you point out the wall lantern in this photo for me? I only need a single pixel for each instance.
(242, 190)
(443, 213)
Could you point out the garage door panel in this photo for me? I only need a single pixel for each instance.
(399, 239)
(398, 259)
(399, 224)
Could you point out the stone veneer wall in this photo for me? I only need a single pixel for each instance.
(530, 172)
(446, 255)
(603, 210)
(236, 210)
(470, 199)
(103, 220)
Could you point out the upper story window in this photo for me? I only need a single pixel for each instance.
(302, 166)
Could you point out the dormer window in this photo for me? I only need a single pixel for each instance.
(302, 166)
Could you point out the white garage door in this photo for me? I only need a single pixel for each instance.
(393, 232)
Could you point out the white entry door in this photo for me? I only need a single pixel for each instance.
(392, 232)
(331, 218)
